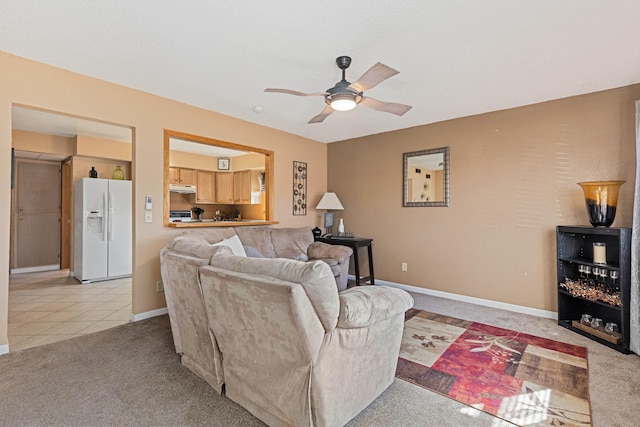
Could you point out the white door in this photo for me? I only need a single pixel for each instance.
(119, 229)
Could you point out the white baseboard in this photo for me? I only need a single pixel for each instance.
(479, 301)
(4, 349)
(148, 314)
(34, 269)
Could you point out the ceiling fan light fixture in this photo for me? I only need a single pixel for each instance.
(345, 96)
(343, 102)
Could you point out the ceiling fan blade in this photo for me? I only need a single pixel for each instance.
(294, 92)
(387, 107)
(373, 77)
(320, 117)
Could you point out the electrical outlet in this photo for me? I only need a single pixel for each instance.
(404, 266)
(159, 286)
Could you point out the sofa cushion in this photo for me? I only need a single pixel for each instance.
(193, 245)
(253, 252)
(212, 235)
(234, 243)
(316, 279)
(362, 306)
(259, 238)
(324, 251)
(292, 243)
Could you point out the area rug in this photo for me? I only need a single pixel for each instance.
(523, 379)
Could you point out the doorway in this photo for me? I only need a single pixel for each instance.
(67, 145)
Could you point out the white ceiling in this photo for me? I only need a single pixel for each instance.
(456, 58)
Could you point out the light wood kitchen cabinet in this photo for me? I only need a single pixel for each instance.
(205, 187)
(242, 187)
(182, 176)
(224, 187)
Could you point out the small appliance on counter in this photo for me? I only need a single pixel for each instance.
(180, 216)
(197, 212)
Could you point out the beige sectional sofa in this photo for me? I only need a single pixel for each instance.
(276, 334)
(292, 243)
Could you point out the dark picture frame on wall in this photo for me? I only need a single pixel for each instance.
(223, 164)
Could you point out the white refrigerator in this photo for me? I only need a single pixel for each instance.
(103, 229)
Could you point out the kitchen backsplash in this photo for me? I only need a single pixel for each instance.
(185, 202)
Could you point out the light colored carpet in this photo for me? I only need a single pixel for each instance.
(131, 375)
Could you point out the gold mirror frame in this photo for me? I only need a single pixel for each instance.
(441, 154)
(268, 165)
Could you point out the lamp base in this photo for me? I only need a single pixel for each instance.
(328, 222)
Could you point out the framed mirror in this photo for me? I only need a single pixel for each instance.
(216, 183)
(425, 180)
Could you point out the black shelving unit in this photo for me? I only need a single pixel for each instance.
(575, 248)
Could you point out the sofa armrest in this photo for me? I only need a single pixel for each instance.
(363, 306)
(321, 250)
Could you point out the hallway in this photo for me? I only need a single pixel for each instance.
(50, 306)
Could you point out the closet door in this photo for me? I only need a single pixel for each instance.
(37, 215)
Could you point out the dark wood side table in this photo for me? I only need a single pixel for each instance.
(354, 243)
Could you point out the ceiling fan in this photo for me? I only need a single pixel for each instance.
(345, 95)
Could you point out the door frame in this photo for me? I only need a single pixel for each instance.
(65, 213)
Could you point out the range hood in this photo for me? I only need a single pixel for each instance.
(183, 189)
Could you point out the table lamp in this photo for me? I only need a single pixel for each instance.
(329, 202)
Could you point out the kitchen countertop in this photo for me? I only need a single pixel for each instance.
(212, 223)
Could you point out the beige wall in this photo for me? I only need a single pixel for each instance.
(513, 179)
(182, 159)
(105, 148)
(199, 161)
(34, 84)
(39, 143)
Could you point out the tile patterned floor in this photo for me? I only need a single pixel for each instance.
(51, 306)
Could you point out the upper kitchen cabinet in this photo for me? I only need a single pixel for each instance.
(224, 187)
(242, 187)
(206, 187)
(182, 176)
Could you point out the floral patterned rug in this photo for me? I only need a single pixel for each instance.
(524, 379)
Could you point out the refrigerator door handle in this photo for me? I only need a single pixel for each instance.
(111, 214)
(104, 225)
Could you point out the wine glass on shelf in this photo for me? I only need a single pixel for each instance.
(587, 270)
(596, 272)
(614, 274)
(581, 270)
(603, 274)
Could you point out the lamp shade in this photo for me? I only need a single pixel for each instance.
(330, 201)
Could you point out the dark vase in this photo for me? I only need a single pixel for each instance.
(601, 199)
(93, 173)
